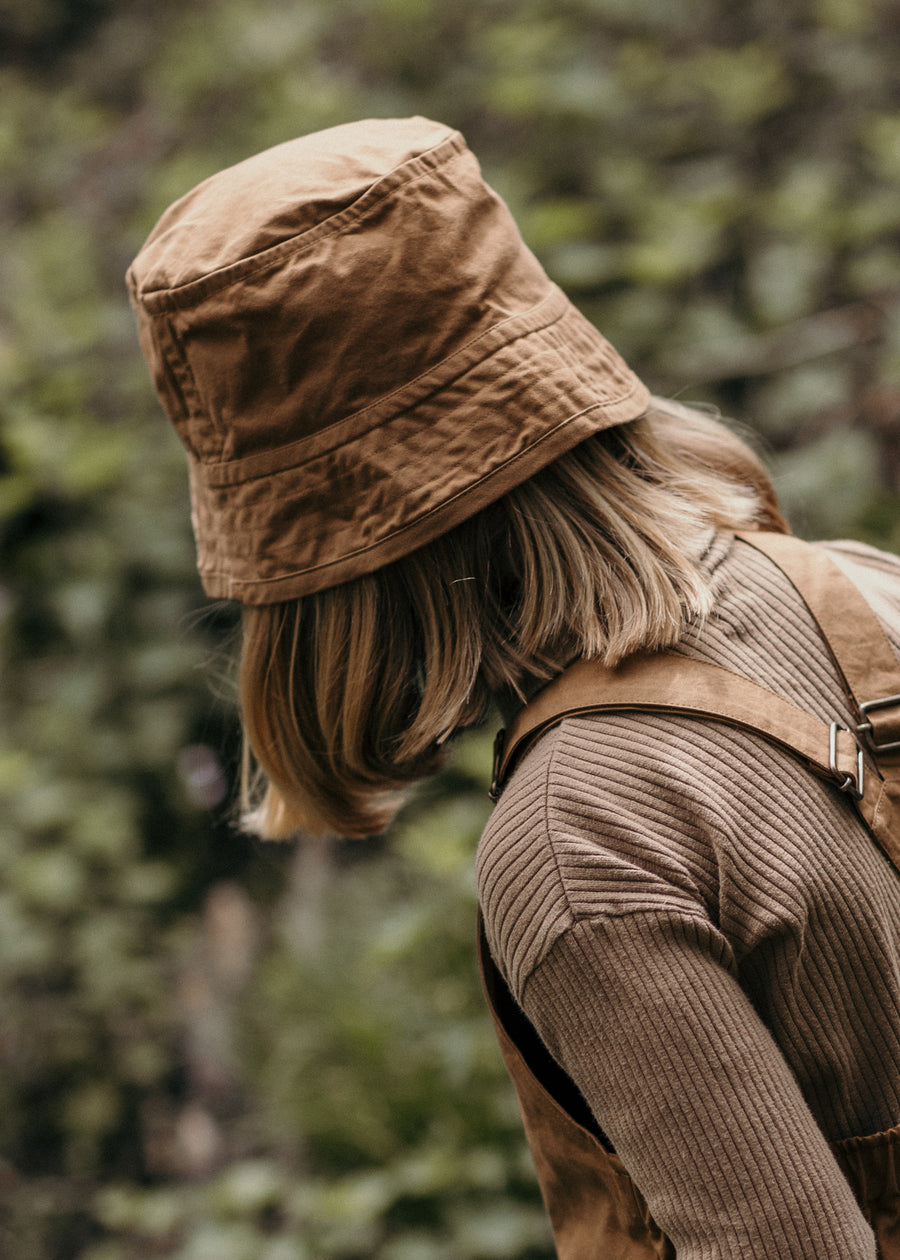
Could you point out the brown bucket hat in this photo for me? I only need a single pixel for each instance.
(358, 352)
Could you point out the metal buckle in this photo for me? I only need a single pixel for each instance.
(865, 728)
(854, 787)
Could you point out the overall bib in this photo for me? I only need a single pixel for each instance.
(595, 1209)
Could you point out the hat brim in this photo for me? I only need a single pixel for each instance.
(469, 430)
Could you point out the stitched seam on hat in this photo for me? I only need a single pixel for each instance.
(407, 172)
(212, 468)
(466, 490)
(531, 323)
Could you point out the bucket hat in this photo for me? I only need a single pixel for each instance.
(358, 352)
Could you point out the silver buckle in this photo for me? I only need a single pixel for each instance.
(865, 728)
(854, 787)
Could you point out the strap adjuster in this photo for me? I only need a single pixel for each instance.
(865, 728)
(854, 787)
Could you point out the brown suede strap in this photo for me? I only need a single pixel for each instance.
(680, 685)
(863, 762)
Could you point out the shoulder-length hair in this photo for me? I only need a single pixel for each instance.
(349, 696)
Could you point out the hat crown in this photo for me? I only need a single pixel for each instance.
(274, 197)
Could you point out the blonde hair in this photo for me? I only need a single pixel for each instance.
(349, 696)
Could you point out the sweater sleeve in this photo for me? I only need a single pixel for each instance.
(644, 1013)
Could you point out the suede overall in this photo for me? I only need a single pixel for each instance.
(596, 1211)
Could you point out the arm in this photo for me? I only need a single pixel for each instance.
(643, 1012)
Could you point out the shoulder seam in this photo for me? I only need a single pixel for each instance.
(588, 919)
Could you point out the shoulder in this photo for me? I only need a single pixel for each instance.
(602, 818)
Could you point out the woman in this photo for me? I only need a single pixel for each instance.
(434, 486)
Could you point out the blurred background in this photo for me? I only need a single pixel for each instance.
(212, 1049)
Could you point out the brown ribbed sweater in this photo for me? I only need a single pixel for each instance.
(708, 939)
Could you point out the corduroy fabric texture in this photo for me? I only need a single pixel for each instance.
(706, 937)
(358, 352)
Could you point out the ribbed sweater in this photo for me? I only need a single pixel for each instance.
(707, 938)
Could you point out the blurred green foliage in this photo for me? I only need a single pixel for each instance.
(214, 1050)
